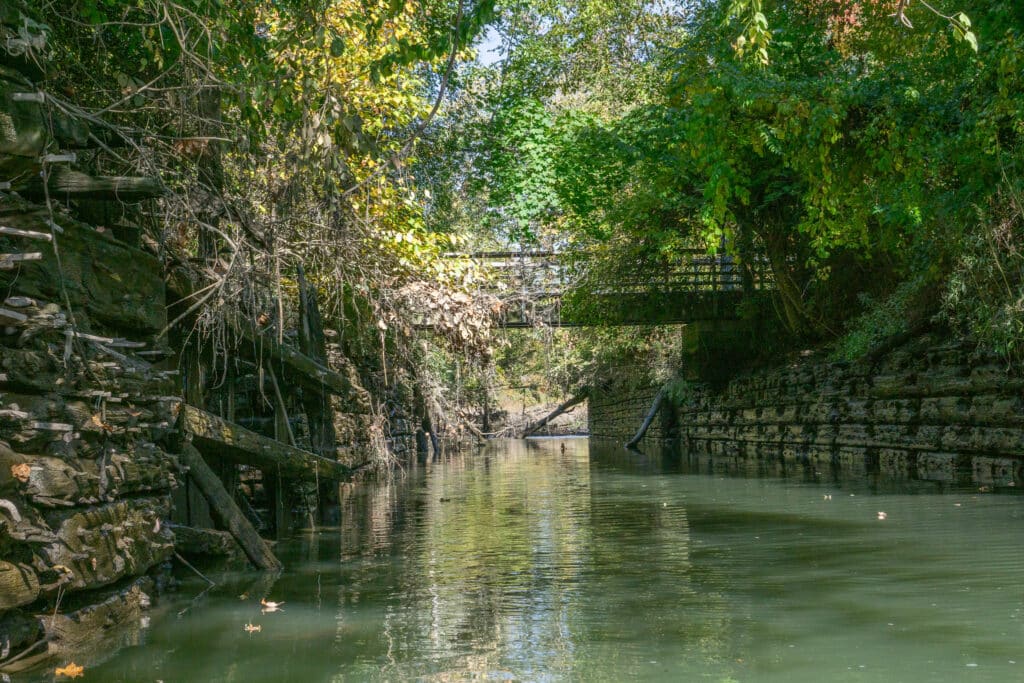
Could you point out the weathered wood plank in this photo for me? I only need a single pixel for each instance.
(224, 507)
(302, 368)
(65, 183)
(220, 438)
(27, 234)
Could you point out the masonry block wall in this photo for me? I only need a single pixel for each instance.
(618, 405)
(931, 410)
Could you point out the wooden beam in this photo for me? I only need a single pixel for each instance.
(307, 371)
(224, 507)
(262, 345)
(66, 183)
(220, 438)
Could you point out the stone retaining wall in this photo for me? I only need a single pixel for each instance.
(931, 410)
(619, 405)
(86, 402)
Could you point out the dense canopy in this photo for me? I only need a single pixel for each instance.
(866, 151)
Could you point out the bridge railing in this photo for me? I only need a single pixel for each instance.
(548, 273)
(533, 283)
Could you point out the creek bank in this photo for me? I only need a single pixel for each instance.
(933, 409)
(104, 399)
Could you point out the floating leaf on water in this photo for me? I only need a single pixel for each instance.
(270, 606)
(72, 670)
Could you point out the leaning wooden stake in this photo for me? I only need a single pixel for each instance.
(224, 507)
(647, 420)
(531, 428)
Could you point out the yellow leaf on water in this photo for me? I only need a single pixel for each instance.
(72, 670)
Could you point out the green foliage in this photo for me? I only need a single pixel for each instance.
(838, 157)
(521, 169)
(287, 133)
(679, 391)
(883, 320)
(984, 297)
(846, 150)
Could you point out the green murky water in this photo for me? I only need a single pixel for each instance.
(530, 564)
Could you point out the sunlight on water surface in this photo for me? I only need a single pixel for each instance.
(532, 564)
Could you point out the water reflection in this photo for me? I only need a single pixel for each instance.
(529, 563)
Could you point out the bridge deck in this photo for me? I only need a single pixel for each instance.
(555, 289)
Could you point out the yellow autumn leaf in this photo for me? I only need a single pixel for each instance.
(21, 472)
(72, 670)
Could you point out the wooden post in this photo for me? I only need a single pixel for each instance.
(211, 169)
(486, 410)
(313, 344)
(194, 375)
(279, 498)
(280, 504)
(224, 507)
(284, 519)
(317, 404)
(197, 507)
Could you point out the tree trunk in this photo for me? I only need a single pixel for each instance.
(531, 428)
(790, 295)
(647, 420)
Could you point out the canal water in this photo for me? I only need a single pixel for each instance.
(530, 562)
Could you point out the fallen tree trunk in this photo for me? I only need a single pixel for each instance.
(229, 513)
(472, 429)
(572, 402)
(647, 420)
